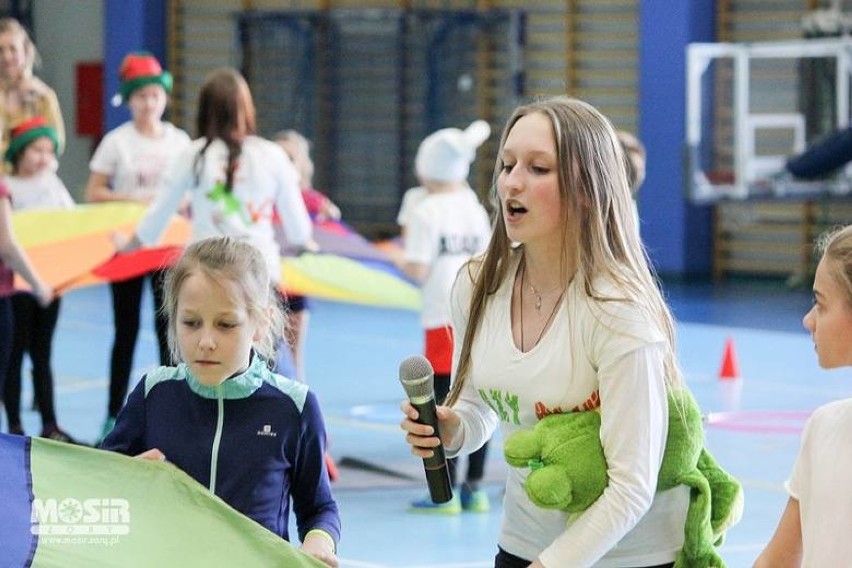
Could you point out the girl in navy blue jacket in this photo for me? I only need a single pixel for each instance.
(256, 439)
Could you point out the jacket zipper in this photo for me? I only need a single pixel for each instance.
(214, 457)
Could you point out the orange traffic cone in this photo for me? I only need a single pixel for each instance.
(730, 370)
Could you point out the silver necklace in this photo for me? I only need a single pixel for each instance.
(537, 307)
(538, 296)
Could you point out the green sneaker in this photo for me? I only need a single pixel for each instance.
(109, 424)
(451, 507)
(475, 501)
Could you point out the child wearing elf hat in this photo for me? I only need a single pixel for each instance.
(445, 225)
(127, 166)
(34, 185)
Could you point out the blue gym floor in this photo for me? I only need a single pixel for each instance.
(352, 357)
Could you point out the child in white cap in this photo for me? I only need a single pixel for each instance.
(445, 225)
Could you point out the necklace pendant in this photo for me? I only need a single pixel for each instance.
(538, 304)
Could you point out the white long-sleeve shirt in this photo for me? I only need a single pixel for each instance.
(593, 353)
(265, 192)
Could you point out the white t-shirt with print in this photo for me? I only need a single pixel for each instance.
(265, 192)
(134, 162)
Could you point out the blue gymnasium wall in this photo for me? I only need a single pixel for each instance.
(678, 234)
(129, 25)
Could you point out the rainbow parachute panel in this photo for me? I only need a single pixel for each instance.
(73, 248)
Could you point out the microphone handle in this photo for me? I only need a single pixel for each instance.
(437, 472)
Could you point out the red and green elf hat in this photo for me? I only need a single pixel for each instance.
(138, 70)
(26, 132)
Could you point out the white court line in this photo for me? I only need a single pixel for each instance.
(479, 564)
(758, 484)
(363, 424)
(86, 325)
(64, 384)
(76, 385)
(744, 547)
(344, 563)
(356, 564)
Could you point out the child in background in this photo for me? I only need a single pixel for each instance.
(635, 158)
(34, 185)
(256, 439)
(320, 208)
(13, 259)
(815, 526)
(127, 166)
(298, 149)
(237, 183)
(444, 229)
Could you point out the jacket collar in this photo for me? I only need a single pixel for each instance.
(241, 385)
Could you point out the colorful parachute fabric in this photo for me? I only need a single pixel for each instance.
(74, 248)
(68, 247)
(70, 506)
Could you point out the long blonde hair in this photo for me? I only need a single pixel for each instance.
(597, 222)
(232, 260)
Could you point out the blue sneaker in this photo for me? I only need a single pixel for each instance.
(475, 501)
(451, 507)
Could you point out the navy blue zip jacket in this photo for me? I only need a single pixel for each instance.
(257, 440)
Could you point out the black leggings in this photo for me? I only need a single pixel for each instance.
(126, 305)
(476, 460)
(6, 334)
(34, 327)
(507, 560)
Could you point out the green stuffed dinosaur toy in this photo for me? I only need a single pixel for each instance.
(569, 468)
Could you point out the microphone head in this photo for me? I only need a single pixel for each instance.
(417, 377)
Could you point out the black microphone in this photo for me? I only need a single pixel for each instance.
(418, 380)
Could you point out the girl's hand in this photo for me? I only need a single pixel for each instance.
(44, 294)
(152, 454)
(119, 241)
(311, 246)
(421, 437)
(320, 547)
(123, 243)
(330, 211)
